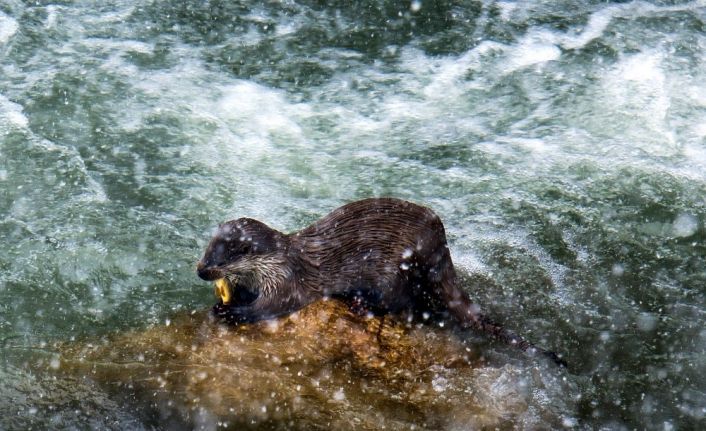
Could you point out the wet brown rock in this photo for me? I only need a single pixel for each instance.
(319, 368)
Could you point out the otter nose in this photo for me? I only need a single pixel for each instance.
(207, 273)
(200, 267)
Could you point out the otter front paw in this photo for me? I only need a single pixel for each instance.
(231, 314)
(220, 310)
(358, 306)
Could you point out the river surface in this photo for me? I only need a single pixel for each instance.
(562, 143)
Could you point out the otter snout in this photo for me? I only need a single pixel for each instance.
(208, 273)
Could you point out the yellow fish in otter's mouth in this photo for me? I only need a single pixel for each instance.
(223, 290)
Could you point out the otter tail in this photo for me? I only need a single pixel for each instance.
(483, 324)
(469, 315)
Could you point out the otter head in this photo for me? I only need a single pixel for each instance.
(236, 257)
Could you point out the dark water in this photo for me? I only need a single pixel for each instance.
(563, 144)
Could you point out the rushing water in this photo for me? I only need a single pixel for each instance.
(562, 143)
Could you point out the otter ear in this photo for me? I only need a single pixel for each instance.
(242, 223)
(228, 230)
(245, 247)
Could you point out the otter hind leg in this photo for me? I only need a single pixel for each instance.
(362, 301)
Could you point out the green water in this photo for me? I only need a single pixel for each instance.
(562, 143)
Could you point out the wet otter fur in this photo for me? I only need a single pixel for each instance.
(381, 255)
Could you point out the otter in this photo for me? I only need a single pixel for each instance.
(379, 255)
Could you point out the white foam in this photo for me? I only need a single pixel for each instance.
(93, 191)
(599, 20)
(239, 108)
(53, 13)
(696, 155)
(467, 259)
(115, 51)
(8, 28)
(506, 9)
(636, 90)
(264, 109)
(542, 45)
(375, 155)
(685, 225)
(529, 144)
(445, 73)
(595, 27)
(643, 68)
(538, 46)
(11, 114)
(245, 134)
(638, 82)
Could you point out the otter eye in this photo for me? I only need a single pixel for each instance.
(240, 248)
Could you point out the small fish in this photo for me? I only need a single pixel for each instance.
(223, 290)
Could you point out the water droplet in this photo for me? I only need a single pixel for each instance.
(55, 363)
(439, 384)
(569, 422)
(339, 395)
(646, 322)
(685, 225)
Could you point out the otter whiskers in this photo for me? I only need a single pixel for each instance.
(263, 273)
